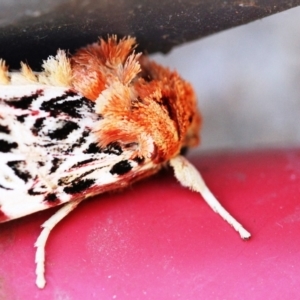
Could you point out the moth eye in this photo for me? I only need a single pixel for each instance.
(190, 119)
(184, 150)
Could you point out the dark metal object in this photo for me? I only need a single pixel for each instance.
(33, 29)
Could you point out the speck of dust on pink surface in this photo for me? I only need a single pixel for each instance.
(158, 240)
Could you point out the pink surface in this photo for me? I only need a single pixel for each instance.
(158, 240)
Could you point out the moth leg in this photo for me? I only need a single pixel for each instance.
(42, 239)
(188, 176)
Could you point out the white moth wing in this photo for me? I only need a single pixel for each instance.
(49, 153)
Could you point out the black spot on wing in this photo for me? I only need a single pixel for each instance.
(37, 126)
(63, 132)
(71, 107)
(25, 101)
(67, 180)
(51, 197)
(113, 148)
(92, 149)
(5, 188)
(32, 192)
(79, 186)
(41, 163)
(121, 168)
(4, 129)
(6, 146)
(67, 94)
(18, 166)
(80, 141)
(83, 162)
(56, 162)
(21, 118)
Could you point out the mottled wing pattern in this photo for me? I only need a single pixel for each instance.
(49, 151)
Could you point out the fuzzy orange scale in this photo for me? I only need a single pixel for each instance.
(142, 103)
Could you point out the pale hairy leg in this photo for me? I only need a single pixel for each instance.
(43, 237)
(188, 176)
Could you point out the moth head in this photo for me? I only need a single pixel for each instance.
(144, 106)
(177, 104)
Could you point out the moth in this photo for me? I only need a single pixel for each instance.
(89, 123)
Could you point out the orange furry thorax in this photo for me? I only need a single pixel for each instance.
(143, 104)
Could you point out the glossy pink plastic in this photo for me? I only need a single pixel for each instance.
(158, 240)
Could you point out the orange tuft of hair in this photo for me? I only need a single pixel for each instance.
(144, 106)
(97, 64)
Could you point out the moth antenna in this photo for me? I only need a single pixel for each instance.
(4, 77)
(43, 237)
(188, 176)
